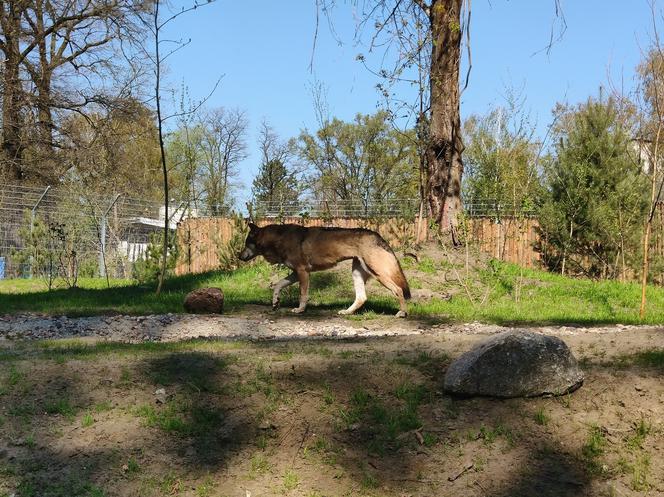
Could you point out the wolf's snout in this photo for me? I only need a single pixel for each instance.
(246, 255)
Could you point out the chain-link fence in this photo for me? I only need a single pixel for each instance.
(316, 208)
(67, 232)
(496, 209)
(394, 208)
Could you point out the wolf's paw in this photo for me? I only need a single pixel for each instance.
(344, 312)
(297, 310)
(401, 314)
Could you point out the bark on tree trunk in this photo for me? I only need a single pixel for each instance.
(11, 98)
(445, 166)
(44, 116)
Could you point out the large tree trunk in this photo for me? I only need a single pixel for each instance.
(12, 95)
(44, 115)
(445, 166)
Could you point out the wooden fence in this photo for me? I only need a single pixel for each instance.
(511, 240)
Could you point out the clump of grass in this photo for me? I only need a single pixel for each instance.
(87, 420)
(385, 419)
(259, 465)
(30, 441)
(430, 439)
(369, 481)
(167, 419)
(125, 377)
(62, 407)
(640, 472)
(15, 376)
(328, 395)
(424, 361)
(103, 407)
(593, 449)
(180, 417)
(291, 480)
(641, 431)
(489, 435)
(205, 489)
(427, 265)
(541, 418)
(132, 467)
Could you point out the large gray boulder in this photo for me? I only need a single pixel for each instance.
(205, 301)
(515, 364)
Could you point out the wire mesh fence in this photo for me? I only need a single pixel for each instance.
(316, 208)
(393, 208)
(497, 209)
(67, 232)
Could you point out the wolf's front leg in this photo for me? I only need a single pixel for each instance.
(303, 277)
(280, 285)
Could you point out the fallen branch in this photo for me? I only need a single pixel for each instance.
(466, 467)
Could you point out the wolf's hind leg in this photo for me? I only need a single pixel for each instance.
(280, 285)
(360, 277)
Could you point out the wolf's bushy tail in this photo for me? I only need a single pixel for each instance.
(402, 282)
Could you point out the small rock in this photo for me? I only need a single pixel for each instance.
(205, 301)
(160, 395)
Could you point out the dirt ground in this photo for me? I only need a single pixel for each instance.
(301, 416)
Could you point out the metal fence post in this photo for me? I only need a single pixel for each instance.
(102, 238)
(33, 214)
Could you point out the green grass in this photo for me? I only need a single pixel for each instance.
(87, 420)
(382, 420)
(181, 418)
(501, 293)
(62, 407)
(259, 466)
(291, 480)
(541, 418)
(593, 449)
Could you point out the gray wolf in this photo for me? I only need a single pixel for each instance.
(305, 250)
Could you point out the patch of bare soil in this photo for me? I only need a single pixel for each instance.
(360, 416)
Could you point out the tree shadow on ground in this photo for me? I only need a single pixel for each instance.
(551, 472)
(350, 401)
(197, 413)
(192, 426)
(381, 409)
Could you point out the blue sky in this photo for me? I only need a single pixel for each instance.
(264, 49)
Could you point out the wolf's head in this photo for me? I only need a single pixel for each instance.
(250, 247)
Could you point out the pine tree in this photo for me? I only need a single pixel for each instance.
(276, 182)
(596, 193)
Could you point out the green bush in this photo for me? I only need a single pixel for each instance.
(146, 269)
(228, 252)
